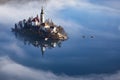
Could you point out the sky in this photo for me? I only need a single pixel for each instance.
(86, 15)
(84, 11)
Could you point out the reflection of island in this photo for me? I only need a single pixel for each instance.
(40, 32)
(38, 42)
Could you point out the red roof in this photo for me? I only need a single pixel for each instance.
(35, 19)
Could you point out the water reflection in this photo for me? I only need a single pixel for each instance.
(37, 41)
(39, 32)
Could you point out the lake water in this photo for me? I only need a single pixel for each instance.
(93, 47)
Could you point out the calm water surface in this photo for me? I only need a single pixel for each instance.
(79, 55)
(76, 56)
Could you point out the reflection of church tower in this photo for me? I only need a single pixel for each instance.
(42, 18)
(43, 49)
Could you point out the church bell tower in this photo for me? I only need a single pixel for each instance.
(42, 18)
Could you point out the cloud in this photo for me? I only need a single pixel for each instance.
(4, 1)
(109, 3)
(82, 4)
(11, 13)
(20, 1)
(10, 70)
(14, 48)
(9, 45)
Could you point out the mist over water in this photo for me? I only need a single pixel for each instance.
(90, 53)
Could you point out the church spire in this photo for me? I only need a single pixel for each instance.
(42, 18)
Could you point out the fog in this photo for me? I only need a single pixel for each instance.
(78, 58)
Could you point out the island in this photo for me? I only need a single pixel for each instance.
(39, 26)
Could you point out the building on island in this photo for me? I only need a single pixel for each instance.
(41, 27)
